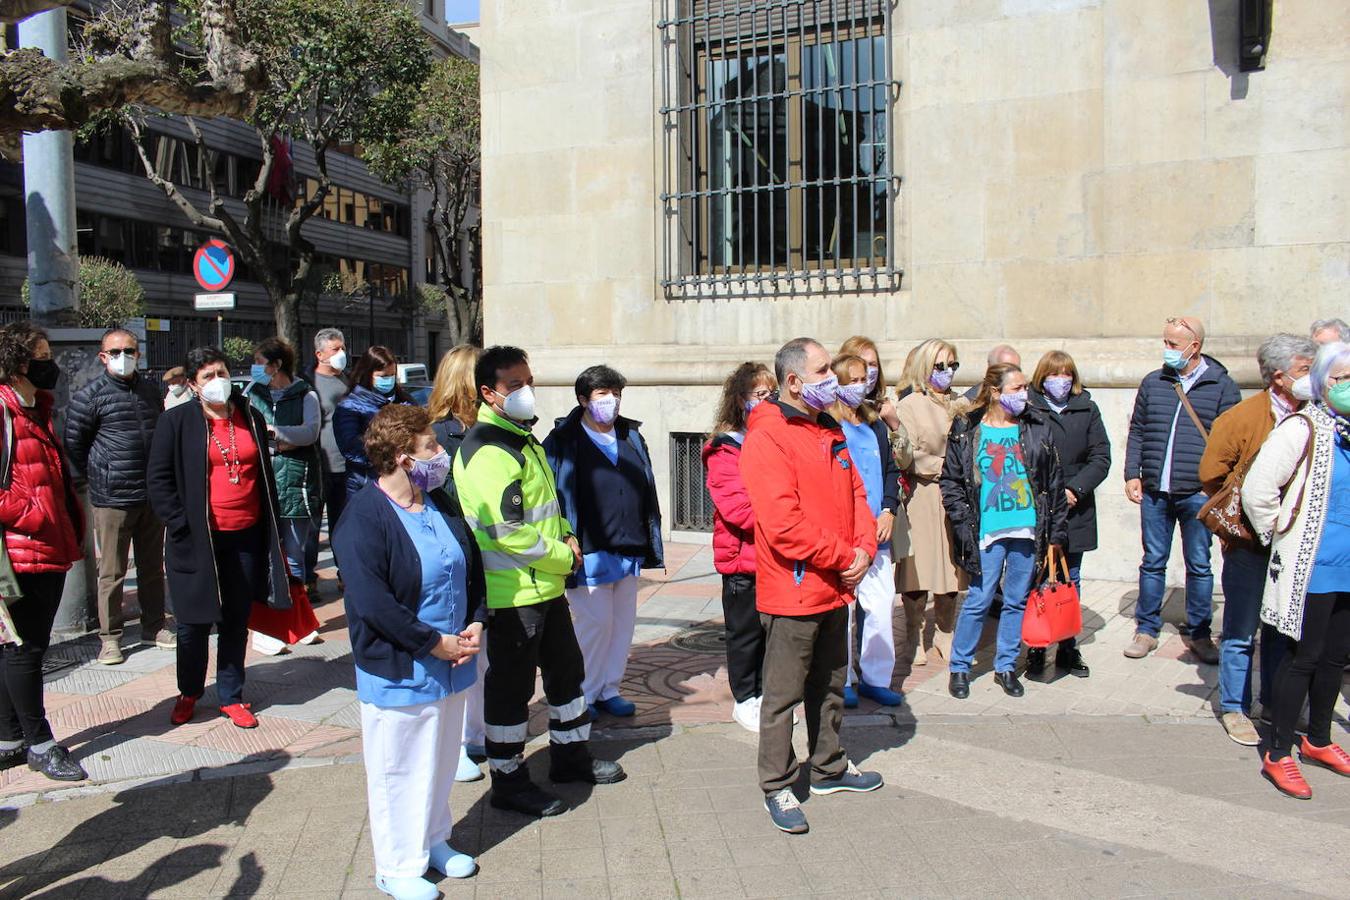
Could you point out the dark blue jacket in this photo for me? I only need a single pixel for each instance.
(349, 430)
(382, 573)
(561, 447)
(1155, 406)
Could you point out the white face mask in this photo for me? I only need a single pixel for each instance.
(121, 365)
(1301, 389)
(217, 390)
(338, 360)
(177, 390)
(519, 404)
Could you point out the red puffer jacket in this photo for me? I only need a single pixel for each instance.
(734, 522)
(810, 510)
(44, 526)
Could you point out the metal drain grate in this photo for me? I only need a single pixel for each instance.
(52, 664)
(710, 639)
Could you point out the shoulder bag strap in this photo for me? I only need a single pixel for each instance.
(6, 449)
(1190, 410)
(1306, 462)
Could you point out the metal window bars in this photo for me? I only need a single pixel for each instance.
(778, 126)
(691, 504)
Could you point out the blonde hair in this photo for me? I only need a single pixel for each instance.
(840, 366)
(455, 392)
(919, 365)
(1053, 363)
(855, 346)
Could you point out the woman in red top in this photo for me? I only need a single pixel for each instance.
(211, 482)
(43, 530)
(734, 537)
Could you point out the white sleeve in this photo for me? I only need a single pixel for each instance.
(307, 432)
(1272, 469)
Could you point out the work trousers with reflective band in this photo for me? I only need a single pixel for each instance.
(604, 617)
(519, 641)
(410, 754)
(874, 646)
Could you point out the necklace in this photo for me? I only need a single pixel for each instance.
(408, 507)
(233, 468)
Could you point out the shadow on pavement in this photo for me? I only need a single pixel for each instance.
(166, 811)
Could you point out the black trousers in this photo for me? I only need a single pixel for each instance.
(241, 569)
(23, 716)
(519, 641)
(745, 637)
(1311, 669)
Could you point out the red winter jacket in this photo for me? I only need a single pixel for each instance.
(810, 510)
(43, 523)
(734, 522)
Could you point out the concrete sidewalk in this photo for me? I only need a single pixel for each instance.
(116, 719)
(994, 806)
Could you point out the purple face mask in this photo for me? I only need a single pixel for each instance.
(1013, 404)
(430, 474)
(852, 395)
(822, 394)
(941, 380)
(604, 410)
(1057, 387)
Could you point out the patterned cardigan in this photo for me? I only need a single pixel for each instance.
(1285, 495)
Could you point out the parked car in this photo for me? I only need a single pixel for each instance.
(416, 381)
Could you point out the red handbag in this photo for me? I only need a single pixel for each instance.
(1054, 612)
(286, 625)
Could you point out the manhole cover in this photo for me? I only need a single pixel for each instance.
(56, 664)
(701, 639)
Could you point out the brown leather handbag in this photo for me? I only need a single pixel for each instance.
(1222, 514)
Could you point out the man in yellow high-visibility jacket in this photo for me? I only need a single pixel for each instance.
(506, 489)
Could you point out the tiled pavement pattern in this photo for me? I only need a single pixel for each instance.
(990, 806)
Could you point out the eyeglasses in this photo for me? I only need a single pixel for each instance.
(115, 352)
(761, 394)
(943, 367)
(1338, 379)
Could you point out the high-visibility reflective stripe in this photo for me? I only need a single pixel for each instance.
(568, 711)
(505, 529)
(505, 766)
(505, 560)
(540, 513)
(571, 735)
(507, 734)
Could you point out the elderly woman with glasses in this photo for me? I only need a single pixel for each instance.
(1297, 496)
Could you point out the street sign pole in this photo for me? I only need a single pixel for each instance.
(220, 332)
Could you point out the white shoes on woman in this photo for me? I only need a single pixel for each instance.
(444, 859)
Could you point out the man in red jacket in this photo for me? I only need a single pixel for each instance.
(814, 540)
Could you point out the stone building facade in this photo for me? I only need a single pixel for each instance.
(1067, 174)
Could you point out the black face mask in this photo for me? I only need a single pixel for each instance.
(44, 373)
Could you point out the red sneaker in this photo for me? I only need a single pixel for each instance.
(1329, 757)
(1286, 777)
(239, 714)
(182, 710)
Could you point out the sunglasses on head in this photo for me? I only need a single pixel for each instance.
(1180, 322)
(943, 367)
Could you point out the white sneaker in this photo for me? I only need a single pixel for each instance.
(267, 645)
(311, 638)
(746, 714)
(467, 770)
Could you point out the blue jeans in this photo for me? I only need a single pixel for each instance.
(1244, 583)
(334, 501)
(1013, 561)
(294, 536)
(1159, 515)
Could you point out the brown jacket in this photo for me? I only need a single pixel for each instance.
(1236, 437)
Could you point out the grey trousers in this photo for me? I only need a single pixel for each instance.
(118, 531)
(805, 658)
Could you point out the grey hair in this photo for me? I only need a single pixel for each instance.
(1329, 357)
(324, 335)
(1342, 329)
(996, 355)
(1277, 353)
(791, 357)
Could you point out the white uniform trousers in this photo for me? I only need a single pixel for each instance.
(410, 753)
(604, 618)
(474, 729)
(876, 596)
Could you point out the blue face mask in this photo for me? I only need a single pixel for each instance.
(1174, 359)
(385, 384)
(259, 374)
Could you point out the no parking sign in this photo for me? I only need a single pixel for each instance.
(213, 265)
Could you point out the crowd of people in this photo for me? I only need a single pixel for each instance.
(472, 555)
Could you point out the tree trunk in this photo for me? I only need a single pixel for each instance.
(286, 312)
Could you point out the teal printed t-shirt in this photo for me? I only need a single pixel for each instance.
(1007, 509)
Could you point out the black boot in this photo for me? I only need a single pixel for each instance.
(1010, 684)
(56, 764)
(11, 758)
(958, 684)
(1072, 660)
(573, 762)
(1035, 660)
(516, 792)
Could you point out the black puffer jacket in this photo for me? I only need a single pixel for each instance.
(960, 484)
(1156, 407)
(109, 425)
(1084, 457)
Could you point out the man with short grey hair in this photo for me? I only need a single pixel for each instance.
(1285, 361)
(814, 540)
(330, 354)
(1001, 354)
(1324, 331)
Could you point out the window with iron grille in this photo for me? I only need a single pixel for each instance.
(690, 501)
(778, 129)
